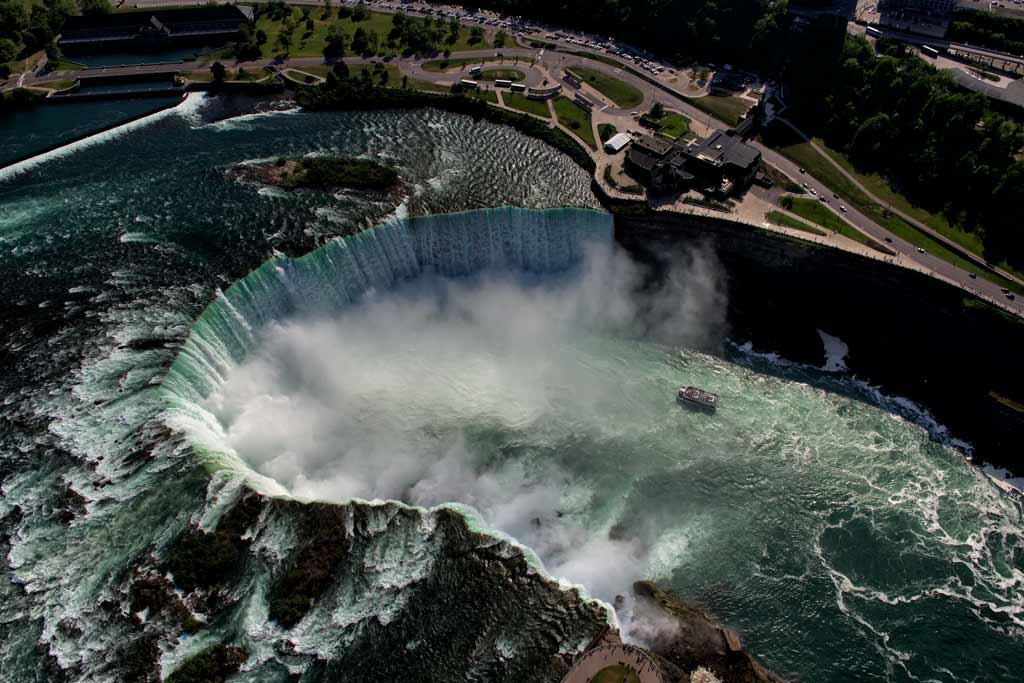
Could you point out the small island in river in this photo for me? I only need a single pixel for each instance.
(321, 172)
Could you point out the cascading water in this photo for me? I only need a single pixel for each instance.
(839, 539)
(391, 365)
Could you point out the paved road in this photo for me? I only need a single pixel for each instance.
(555, 62)
(592, 661)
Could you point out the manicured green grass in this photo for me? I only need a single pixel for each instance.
(250, 74)
(57, 85)
(816, 212)
(779, 218)
(818, 166)
(726, 108)
(425, 86)
(499, 75)
(606, 131)
(67, 65)
(440, 65)
(517, 100)
(487, 96)
(673, 125)
(575, 118)
(597, 56)
(624, 95)
(313, 44)
(879, 187)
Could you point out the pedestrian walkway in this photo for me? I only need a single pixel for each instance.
(634, 658)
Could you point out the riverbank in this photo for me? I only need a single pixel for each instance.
(910, 335)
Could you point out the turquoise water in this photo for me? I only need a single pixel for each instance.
(30, 131)
(499, 359)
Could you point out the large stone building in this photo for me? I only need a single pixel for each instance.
(721, 164)
(211, 25)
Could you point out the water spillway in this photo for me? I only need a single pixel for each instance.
(506, 362)
(517, 427)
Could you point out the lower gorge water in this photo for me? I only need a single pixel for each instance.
(500, 362)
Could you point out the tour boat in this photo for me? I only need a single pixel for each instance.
(697, 397)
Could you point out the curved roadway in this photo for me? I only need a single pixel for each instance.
(552, 64)
(633, 658)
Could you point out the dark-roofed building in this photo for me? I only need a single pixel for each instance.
(723, 157)
(212, 25)
(647, 154)
(722, 163)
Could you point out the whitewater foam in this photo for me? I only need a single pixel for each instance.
(186, 108)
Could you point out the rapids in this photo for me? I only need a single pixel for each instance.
(159, 319)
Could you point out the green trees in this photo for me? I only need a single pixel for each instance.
(95, 6)
(896, 115)
(360, 13)
(8, 50)
(499, 39)
(360, 41)
(337, 41)
(219, 72)
(30, 31)
(989, 30)
(476, 35)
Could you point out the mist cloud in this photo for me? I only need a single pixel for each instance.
(465, 390)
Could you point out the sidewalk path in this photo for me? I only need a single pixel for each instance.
(633, 658)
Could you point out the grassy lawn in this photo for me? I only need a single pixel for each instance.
(624, 95)
(878, 186)
(517, 100)
(576, 119)
(606, 131)
(818, 166)
(250, 74)
(440, 65)
(57, 85)
(425, 86)
(779, 218)
(312, 44)
(487, 96)
(499, 75)
(67, 65)
(816, 212)
(672, 125)
(726, 108)
(616, 674)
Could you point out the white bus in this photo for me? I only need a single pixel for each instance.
(929, 51)
(466, 83)
(873, 32)
(502, 83)
(474, 71)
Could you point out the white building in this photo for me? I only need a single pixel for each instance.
(617, 142)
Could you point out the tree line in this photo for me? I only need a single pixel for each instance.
(895, 114)
(25, 31)
(987, 30)
(682, 30)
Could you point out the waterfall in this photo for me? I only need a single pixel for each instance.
(342, 271)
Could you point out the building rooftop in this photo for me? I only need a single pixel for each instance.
(721, 148)
(654, 146)
(617, 142)
(185, 20)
